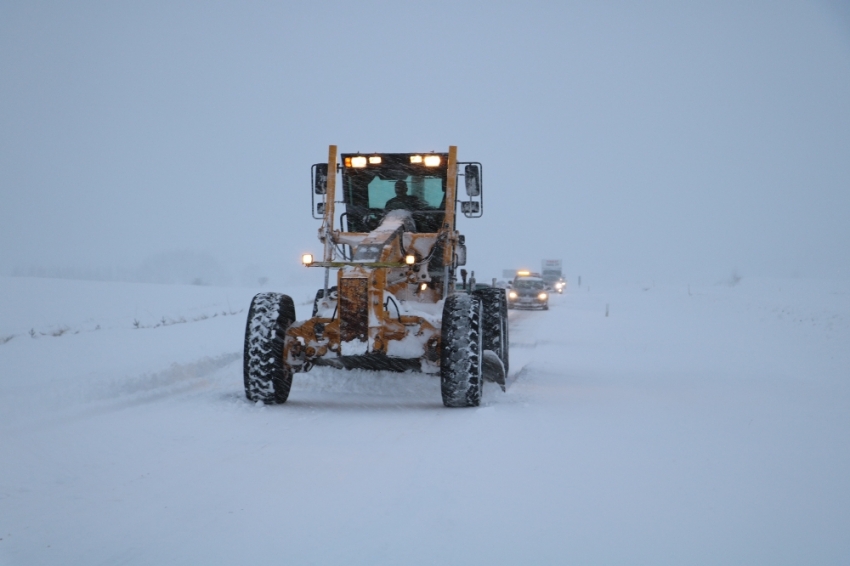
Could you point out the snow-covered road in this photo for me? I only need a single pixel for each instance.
(701, 425)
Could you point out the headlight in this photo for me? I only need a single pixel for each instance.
(359, 161)
(307, 259)
(512, 295)
(542, 296)
(432, 160)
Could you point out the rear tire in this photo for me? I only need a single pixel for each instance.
(460, 356)
(494, 303)
(268, 378)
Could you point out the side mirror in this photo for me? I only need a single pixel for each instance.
(320, 208)
(472, 178)
(320, 183)
(460, 254)
(470, 207)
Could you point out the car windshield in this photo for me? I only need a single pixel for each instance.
(529, 284)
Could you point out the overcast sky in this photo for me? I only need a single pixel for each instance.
(671, 140)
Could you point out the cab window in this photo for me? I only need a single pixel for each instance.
(427, 189)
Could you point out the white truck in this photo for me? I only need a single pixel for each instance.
(552, 275)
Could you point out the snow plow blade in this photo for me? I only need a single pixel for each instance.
(492, 368)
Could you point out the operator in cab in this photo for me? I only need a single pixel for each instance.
(404, 201)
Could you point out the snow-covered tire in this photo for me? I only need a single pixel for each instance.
(494, 308)
(460, 356)
(268, 378)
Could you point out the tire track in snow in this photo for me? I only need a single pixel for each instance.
(523, 342)
(524, 337)
(116, 394)
(164, 383)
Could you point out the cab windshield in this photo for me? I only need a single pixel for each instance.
(394, 182)
(423, 193)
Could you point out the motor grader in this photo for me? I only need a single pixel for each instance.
(391, 245)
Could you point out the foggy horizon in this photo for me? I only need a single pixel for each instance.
(647, 141)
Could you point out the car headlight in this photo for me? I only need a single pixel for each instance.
(512, 295)
(542, 296)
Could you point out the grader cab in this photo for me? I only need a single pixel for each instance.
(392, 250)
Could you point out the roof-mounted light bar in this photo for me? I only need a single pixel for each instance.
(361, 161)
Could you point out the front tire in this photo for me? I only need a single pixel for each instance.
(460, 356)
(268, 378)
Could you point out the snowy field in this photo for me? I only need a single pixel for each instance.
(691, 425)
